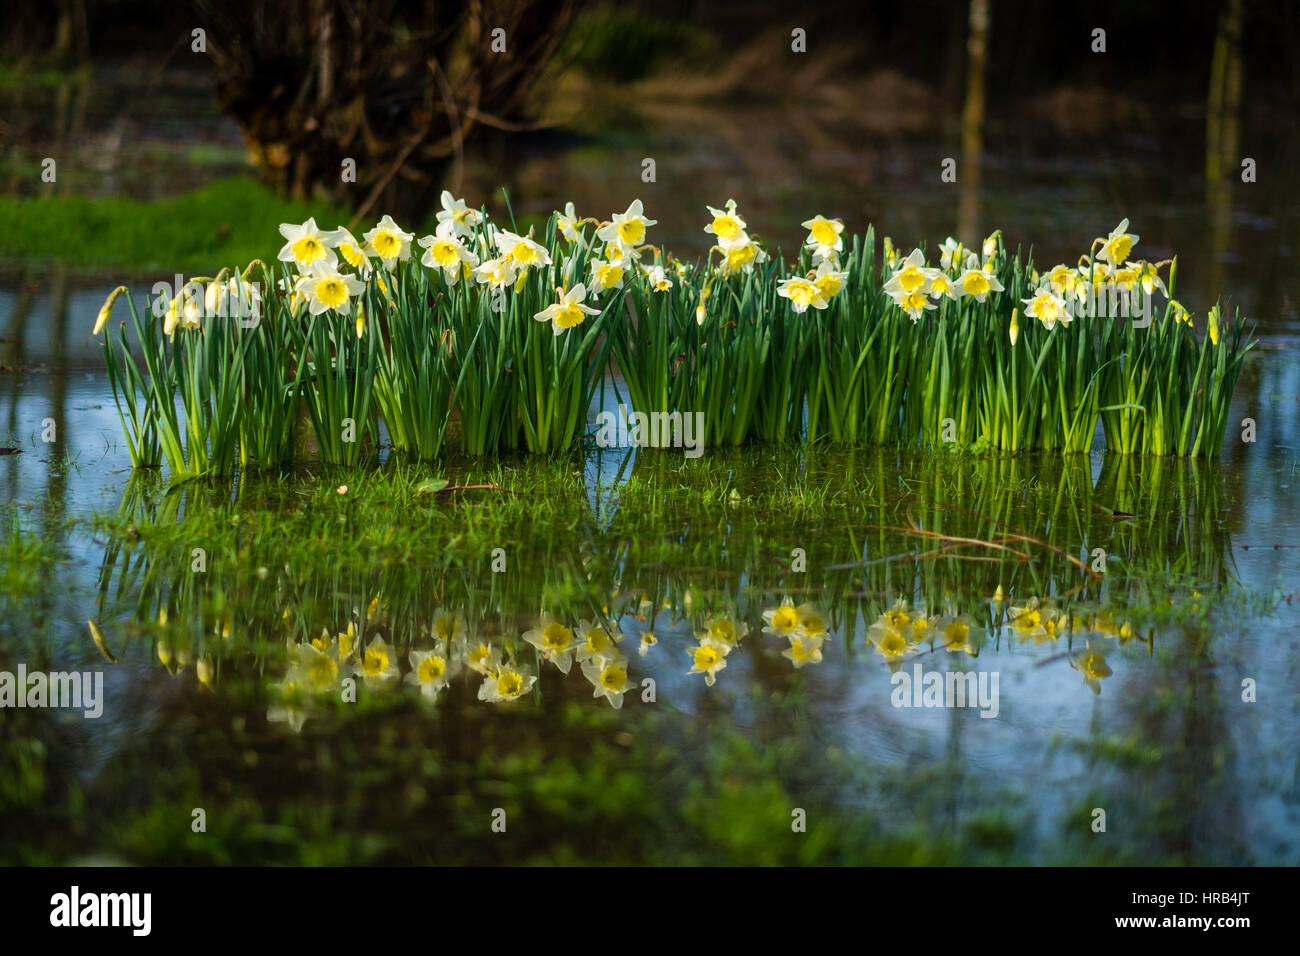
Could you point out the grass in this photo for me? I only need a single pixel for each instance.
(231, 220)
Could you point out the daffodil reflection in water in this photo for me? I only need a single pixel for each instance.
(317, 669)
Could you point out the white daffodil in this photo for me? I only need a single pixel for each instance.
(481, 657)
(707, 659)
(327, 288)
(606, 275)
(628, 228)
(942, 285)
(977, 284)
(657, 278)
(388, 242)
(950, 252)
(318, 669)
(1048, 308)
(497, 273)
(352, 250)
(911, 276)
(1116, 247)
(430, 671)
(378, 664)
(782, 620)
(598, 642)
(803, 650)
(521, 250)
(444, 250)
(305, 245)
(567, 223)
(829, 280)
(740, 254)
(1149, 276)
(824, 236)
(802, 293)
(448, 626)
(461, 218)
(569, 312)
(554, 642)
(509, 683)
(609, 678)
(915, 303)
(726, 225)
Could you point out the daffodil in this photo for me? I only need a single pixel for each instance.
(707, 659)
(724, 631)
(609, 678)
(977, 284)
(1116, 247)
(627, 228)
(460, 218)
(567, 223)
(802, 293)
(782, 619)
(1047, 307)
(824, 236)
(955, 634)
(915, 304)
(943, 287)
(828, 280)
(1091, 664)
(569, 312)
(203, 670)
(448, 626)
(554, 642)
(1027, 622)
(318, 670)
(102, 318)
(656, 278)
(950, 253)
(1212, 324)
(1149, 276)
(388, 242)
(378, 663)
(291, 708)
(1013, 331)
(509, 683)
(726, 225)
(911, 276)
(431, 670)
(811, 622)
(326, 288)
(740, 255)
(598, 642)
(523, 251)
(606, 275)
(444, 250)
(804, 649)
(648, 640)
(889, 642)
(482, 657)
(352, 251)
(305, 245)
(497, 273)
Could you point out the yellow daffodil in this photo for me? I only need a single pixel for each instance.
(1116, 247)
(726, 225)
(569, 312)
(656, 278)
(1091, 664)
(102, 318)
(955, 635)
(824, 237)
(606, 275)
(1014, 331)
(1212, 324)
(598, 642)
